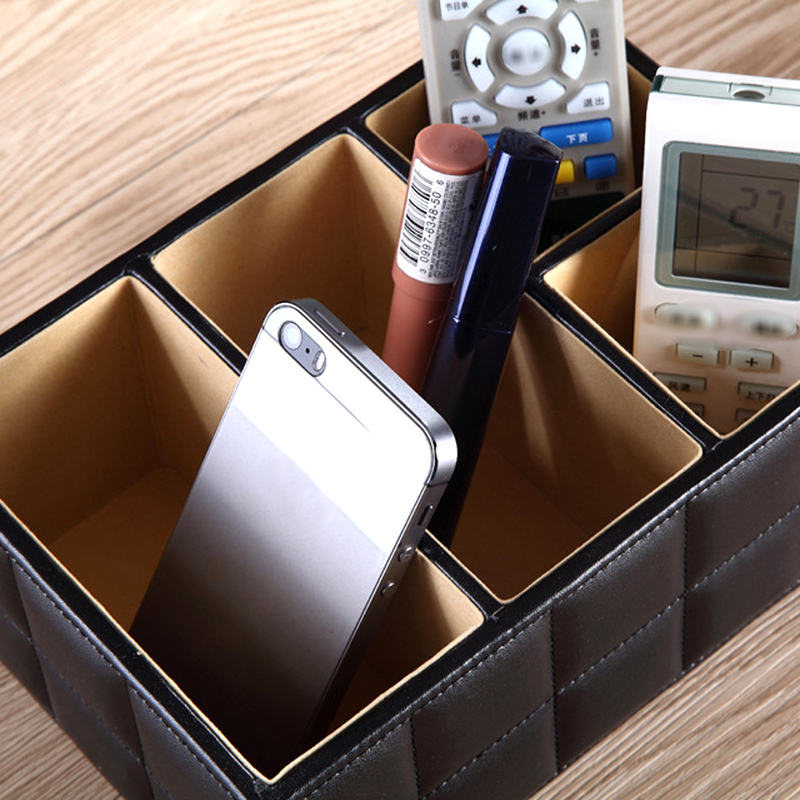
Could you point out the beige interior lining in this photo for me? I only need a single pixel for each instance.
(601, 280)
(571, 446)
(104, 420)
(105, 416)
(325, 227)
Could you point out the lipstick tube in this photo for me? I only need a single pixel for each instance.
(447, 169)
(471, 349)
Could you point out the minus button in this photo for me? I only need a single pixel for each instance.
(698, 354)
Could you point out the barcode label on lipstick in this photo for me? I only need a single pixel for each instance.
(435, 221)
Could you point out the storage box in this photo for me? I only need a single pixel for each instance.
(603, 544)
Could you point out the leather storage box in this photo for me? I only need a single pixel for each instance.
(603, 546)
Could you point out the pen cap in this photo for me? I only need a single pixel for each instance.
(505, 230)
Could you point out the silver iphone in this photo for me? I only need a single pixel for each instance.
(308, 506)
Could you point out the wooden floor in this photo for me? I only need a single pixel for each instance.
(115, 117)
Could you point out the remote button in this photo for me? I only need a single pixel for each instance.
(592, 131)
(526, 51)
(598, 168)
(707, 355)
(682, 383)
(450, 10)
(472, 114)
(744, 414)
(752, 360)
(506, 10)
(530, 96)
(574, 44)
(491, 140)
(566, 172)
(759, 392)
(593, 97)
(475, 56)
(686, 315)
(768, 324)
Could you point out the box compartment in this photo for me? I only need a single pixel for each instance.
(325, 227)
(105, 417)
(571, 443)
(571, 446)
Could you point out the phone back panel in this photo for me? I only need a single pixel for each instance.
(274, 575)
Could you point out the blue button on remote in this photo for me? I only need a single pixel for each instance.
(600, 167)
(491, 140)
(593, 131)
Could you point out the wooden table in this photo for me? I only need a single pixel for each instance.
(115, 117)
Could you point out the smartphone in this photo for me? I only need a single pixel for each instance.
(718, 293)
(555, 68)
(309, 504)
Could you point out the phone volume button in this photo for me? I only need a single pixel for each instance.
(405, 554)
(388, 590)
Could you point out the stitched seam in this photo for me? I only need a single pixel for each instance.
(414, 756)
(622, 644)
(740, 553)
(421, 707)
(747, 546)
(743, 458)
(685, 593)
(99, 719)
(29, 635)
(645, 534)
(553, 684)
(355, 760)
(132, 688)
(643, 537)
(488, 749)
(16, 627)
(683, 508)
(788, 590)
(477, 661)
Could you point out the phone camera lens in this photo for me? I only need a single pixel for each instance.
(291, 336)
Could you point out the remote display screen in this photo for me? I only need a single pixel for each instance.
(735, 220)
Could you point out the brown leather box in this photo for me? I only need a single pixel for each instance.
(603, 546)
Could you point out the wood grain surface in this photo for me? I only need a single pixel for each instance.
(115, 117)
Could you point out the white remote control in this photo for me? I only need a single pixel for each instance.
(556, 67)
(718, 294)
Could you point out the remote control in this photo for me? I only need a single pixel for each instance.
(718, 292)
(556, 67)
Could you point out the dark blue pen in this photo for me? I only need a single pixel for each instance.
(470, 352)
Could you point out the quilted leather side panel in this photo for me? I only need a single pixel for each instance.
(386, 769)
(16, 648)
(456, 728)
(743, 541)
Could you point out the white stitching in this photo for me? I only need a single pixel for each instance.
(128, 684)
